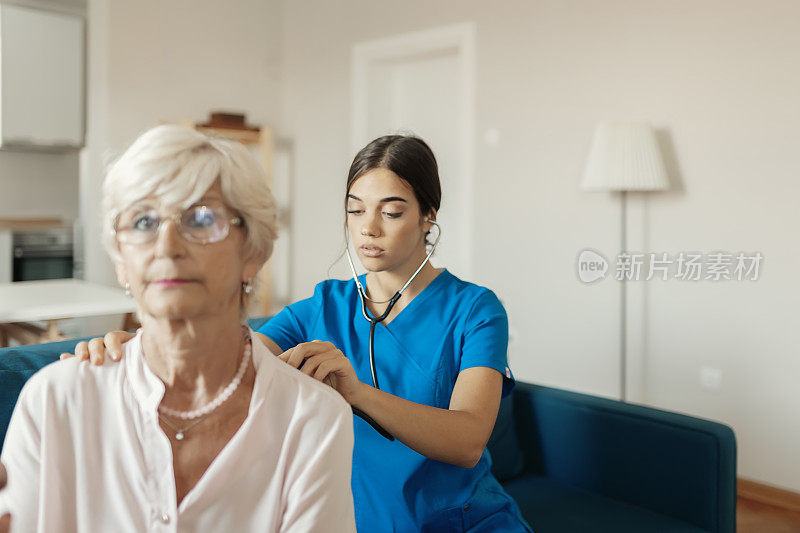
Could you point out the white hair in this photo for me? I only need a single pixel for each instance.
(178, 164)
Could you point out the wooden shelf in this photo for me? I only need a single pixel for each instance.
(246, 137)
(28, 223)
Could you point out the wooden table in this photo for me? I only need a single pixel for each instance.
(52, 300)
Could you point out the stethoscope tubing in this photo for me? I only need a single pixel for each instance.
(374, 321)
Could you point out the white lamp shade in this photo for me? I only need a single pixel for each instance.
(624, 157)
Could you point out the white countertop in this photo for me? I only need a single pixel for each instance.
(28, 301)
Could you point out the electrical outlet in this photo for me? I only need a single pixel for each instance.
(710, 378)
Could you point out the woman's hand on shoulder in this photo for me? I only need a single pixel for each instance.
(324, 362)
(97, 348)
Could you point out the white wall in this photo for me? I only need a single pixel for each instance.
(718, 79)
(154, 61)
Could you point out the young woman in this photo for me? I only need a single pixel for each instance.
(438, 369)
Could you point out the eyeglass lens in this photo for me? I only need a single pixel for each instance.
(198, 224)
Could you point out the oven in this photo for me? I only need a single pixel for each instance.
(43, 254)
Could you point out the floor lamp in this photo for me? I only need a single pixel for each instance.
(624, 156)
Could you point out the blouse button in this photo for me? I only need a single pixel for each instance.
(466, 507)
(165, 518)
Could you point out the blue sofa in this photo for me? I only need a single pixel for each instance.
(574, 462)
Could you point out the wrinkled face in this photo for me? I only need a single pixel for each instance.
(385, 223)
(172, 277)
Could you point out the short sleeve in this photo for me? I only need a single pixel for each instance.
(486, 338)
(290, 327)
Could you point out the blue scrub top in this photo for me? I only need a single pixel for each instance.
(450, 326)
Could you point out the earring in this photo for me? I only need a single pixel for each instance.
(247, 287)
(128, 290)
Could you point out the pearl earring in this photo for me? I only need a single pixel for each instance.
(128, 290)
(247, 287)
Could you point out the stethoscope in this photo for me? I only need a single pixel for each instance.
(374, 321)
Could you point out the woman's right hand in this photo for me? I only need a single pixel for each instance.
(97, 348)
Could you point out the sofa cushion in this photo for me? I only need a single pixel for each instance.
(632, 453)
(549, 506)
(507, 458)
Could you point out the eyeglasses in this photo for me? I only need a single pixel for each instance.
(199, 223)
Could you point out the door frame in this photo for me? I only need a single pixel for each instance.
(458, 37)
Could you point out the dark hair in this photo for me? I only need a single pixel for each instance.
(407, 156)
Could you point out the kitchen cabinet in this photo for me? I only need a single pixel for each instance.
(42, 79)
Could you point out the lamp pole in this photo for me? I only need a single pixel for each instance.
(623, 317)
(624, 156)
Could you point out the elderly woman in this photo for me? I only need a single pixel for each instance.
(200, 428)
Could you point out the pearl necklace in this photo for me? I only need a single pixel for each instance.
(208, 408)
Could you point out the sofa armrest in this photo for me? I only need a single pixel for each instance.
(677, 465)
